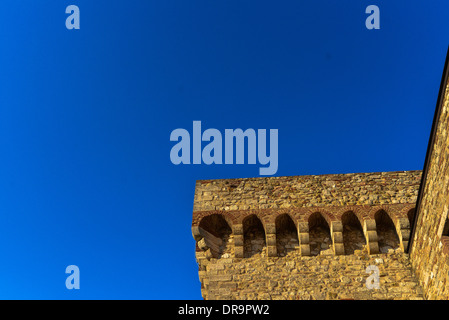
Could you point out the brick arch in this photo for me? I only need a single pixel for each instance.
(389, 210)
(320, 235)
(403, 213)
(392, 214)
(264, 219)
(361, 213)
(212, 234)
(254, 235)
(286, 233)
(288, 214)
(275, 213)
(388, 235)
(248, 215)
(348, 212)
(229, 218)
(329, 217)
(353, 235)
(408, 212)
(213, 222)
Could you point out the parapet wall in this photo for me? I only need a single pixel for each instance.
(307, 191)
(305, 236)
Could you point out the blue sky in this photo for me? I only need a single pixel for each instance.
(86, 116)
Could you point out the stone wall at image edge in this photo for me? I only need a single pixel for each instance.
(430, 247)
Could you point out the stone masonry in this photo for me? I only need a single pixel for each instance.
(306, 237)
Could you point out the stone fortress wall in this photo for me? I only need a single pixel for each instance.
(306, 237)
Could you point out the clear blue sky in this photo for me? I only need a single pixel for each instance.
(86, 116)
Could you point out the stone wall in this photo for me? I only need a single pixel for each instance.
(306, 237)
(430, 247)
(307, 191)
(296, 277)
